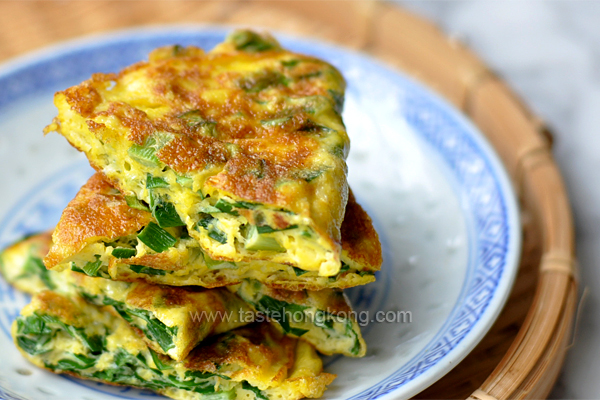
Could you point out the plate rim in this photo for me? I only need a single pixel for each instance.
(502, 291)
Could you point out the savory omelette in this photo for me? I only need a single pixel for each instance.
(241, 149)
(205, 259)
(68, 335)
(101, 235)
(173, 320)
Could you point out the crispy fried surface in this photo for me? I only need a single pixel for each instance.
(360, 241)
(97, 213)
(260, 126)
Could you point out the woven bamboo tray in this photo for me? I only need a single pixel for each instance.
(523, 352)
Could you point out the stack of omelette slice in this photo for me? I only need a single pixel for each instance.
(207, 256)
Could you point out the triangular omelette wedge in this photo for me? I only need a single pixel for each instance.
(323, 318)
(244, 146)
(101, 235)
(68, 335)
(173, 320)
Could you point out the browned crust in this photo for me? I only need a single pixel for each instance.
(98, 212)
(235, 348)
(57, 305)
(177, 80)
(359, 237)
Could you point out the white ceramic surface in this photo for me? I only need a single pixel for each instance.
(436, 191)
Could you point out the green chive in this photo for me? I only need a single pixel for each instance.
(140, 269)
(121, 252)
(268, 229)
(226, 207)
(91, 268)
(155, 182)
(145, 154)
(256, 241)
(164, 212)
(133, 202)
(184, 181)
(251, 42)
(257, 392)
(290, 63)
(159, 363)
(299, 271)
(214, 233)
(156, 238)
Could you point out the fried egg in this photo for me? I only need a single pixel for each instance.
(244, 146)
(98, 228)
(68, 335)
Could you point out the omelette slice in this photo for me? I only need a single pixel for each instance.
(171, 320)
(244, 146)
(101, 235)
(323, 318)
(68, 335)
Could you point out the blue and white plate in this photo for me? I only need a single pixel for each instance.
(438, 195)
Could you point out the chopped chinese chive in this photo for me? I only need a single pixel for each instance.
(345, 268)
(145, 154)
(251, 42)
(257, 392)
(276, 121)
(156, 238)
(311, 75)
(244, 204)
(217, 264)
(268, 229)
(309, 176)
(209, 209)
(121, 252)
(133, 202)
(184, 181)
(91, 268)
(194, 119)
(34, 266)
(306, 234)
(338, 150)
(299, 271)
(167, 216)
(258, 82)
(290, 63)
(164, 212)
(311, 126)
(256, 241)
(226, 207)
(82, 362)
(159, 363)
(155, 182)
(215, 233)
(282, 312)
(338, 99)
(155, 329)
(31, 346)
(140, 269)
(75, 268)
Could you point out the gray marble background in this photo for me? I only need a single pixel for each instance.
(549, 52)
